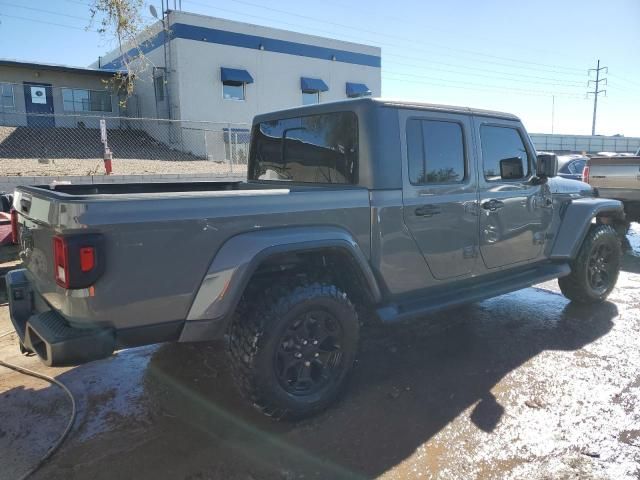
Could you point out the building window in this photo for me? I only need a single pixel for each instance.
(7, 100)
(435, 150)
(234, 83)
(311, 88)
(82, 100)
(158, 84)
(233, 90)
(310, 98)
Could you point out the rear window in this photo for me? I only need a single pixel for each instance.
(310, 149)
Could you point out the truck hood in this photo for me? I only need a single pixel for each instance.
(559, 185)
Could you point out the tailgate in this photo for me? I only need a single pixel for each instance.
(37, 218)
(615, 172)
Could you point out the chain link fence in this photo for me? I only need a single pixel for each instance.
(37, 144)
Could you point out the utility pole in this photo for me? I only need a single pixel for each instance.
(596, 91)
(553, 111)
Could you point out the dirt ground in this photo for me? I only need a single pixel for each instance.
(525, 385)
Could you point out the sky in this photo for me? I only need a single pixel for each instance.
(527, 58)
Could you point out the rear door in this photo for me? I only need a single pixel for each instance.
(440, 190)
(38, 99)
(515, 212)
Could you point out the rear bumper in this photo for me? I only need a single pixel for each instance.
(46, 332)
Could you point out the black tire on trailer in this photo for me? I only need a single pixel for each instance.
(292, 348)
(594, 272)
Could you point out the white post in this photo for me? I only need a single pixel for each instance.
(230, 146)
(206, 149)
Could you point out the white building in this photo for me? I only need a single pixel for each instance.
(202, 68)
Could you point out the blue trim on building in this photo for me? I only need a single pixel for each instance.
(145, 47)
(223, 37)
(312, 85)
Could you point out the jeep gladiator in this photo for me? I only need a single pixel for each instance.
(353, 212)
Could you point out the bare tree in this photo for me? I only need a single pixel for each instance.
(122, 20)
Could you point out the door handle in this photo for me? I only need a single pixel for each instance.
(427, 210)
(492, 205)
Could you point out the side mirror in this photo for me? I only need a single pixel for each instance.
(511, 168)
(547, 165)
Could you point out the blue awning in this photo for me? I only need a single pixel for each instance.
(357, 90)
(309, 85)
(235, 75)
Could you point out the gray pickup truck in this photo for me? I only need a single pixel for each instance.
(617, 177)
(354, 212)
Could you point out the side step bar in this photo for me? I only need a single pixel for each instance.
(472, 291)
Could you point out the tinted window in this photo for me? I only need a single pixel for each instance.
(6, 96)
(577, 166)
(315, 149)
(435, 151)
(81, 100)
(504, 155)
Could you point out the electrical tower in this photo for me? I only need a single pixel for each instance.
(596, 91)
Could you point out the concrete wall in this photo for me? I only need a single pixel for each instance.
(584, 143)
(57, 79)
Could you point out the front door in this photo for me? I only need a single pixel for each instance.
(440, 190)
(38, 101)
(515, 210)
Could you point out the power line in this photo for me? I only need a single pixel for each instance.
(488, 62)
(17, 17)
(39, 10)
(415, 58)
(625, 80)
(473, 83)
(596, 92)
(486, 88)
(521, 78)
(378, 33)
(419, 59)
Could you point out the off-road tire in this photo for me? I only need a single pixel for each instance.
(576, 286)
(256, 333)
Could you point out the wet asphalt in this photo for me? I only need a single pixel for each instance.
(526, 385)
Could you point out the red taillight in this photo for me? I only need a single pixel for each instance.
(61, 261)
(87, 259)
(585, 174)
(14, 226)
(78, 260)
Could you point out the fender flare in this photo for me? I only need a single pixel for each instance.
(576, 221)
(239, 257)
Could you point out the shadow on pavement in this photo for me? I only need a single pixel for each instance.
(410, 382)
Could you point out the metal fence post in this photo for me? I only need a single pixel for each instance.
(206, 148)
(228, 142)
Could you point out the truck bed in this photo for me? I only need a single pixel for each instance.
(159, 239)
(616, 177)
